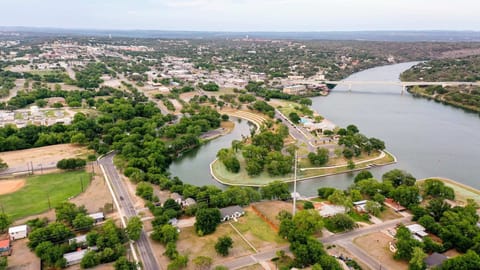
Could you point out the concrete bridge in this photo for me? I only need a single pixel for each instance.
(404, 85)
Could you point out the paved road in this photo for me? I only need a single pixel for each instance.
(127, 209)
(295, 131)
(344, 239)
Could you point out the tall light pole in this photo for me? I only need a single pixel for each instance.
(295, 184)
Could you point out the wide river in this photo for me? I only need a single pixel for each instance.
(428, 138)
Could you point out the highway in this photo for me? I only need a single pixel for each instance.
(127, 210)
(343, 239)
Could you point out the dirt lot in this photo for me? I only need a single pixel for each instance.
(42, 157)
(271, 209)
(193, 245)
(9, 186)
(22, 258)
(376, 244)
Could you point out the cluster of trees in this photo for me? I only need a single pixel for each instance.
(210, 86)
(320, 158)
(89, 77)
(50, 241)
(299, 231)
(71, 163)
(7, 81)
(229, 159)
(355, 143)
(263, 107)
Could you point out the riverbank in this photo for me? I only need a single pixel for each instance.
(421, 92)
(223, 176)
(462, 191)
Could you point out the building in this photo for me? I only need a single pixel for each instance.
(329, 210)
(295, 89)
(360, 206)
(177, 198)
(80, 240)
(435, 260)
(417, 230)
(97, 217)
(188, 202)
(231, 212)
(18, 232)
(76, 257)
(5, 247)
(394, 205)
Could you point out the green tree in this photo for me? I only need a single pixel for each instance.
(342, 222)
(5, 221)
(223, 245)
(3, 165)
(207, 220)
(90, 260)
(417, 263)
(364, 174)
(294, 117)
(134, 228)
(307, 221)
(275, 190)
(467, 261)
(308, 205)
(51, 255)
(83, 222)
(165, 234)
(374, 208)
(180, 262)
(171, 250)
(320, 158)
(3, 263)
(398, 177)
(123, 263)
(67, 212)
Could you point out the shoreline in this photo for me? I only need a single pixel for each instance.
(444, 102)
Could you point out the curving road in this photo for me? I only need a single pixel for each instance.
(127, 210)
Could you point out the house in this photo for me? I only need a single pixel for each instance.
(76, 257)
(82, 239)
(97, 217)
(231, 212)
(18, 232)
(328, 210)
(435, 260)
(5, 247)
(188, 202)
(177, 198)
(360, 206)
(394, 205)
(417, 230)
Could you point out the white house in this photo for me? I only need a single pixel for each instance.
(97, 217)
(76, 257)
(18, 232)
(417, 230)
(231, 212)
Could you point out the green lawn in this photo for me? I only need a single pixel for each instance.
(33, 197)
(251, 223)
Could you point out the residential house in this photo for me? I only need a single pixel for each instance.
(76, 257)
(97, 217)
(231, 212)
(188, 202)
(18, 232)
(360, 206)
(177, 198)
(418, 231)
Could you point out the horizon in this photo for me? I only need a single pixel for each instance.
(245, 15)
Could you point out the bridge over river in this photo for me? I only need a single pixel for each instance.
(404, 85)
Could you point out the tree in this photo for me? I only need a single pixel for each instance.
(467, 261)
(223, 245)
(417, 263)
(374, 208)
(123, 263)
(398, 177)
(51, 255)
(308, 205)
(207, 220)
(90, 260)
(294, 117)
(342, 222)
(325, 192)
(165, 234)
(436, 188)
(202, 262)
(407, 196)
(134, 228)
(67, 212)
(83, 222)
(275, 190)
(171, 250)
(3, 165)
(5, 221)
(179, 262)
(364, 174)
(307, 222)
(320, 158)
(71, 163)
(329, 262)
(3, 263)
(144, 190)
(405, 244)
(350, 164)
(436, 207)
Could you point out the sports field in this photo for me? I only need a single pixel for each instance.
(34, 196)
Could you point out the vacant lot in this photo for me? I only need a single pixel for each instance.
(376, 244)
(389, 214)
(9, 186)
(22, 258)
(271, 209)
(40, 191)
(42, 157)
(192, 245)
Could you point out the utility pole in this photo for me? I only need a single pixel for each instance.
(48, 197)
(81, 182)
(295, 184)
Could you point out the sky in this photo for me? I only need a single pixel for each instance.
(244, 15)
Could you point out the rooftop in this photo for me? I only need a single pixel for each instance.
(227, 211)
(436, 259)
(20, 228)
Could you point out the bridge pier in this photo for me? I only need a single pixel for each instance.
(404, 88)
(350, 87)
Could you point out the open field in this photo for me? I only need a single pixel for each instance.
(270, 209)
(376, 245)
(38, 191)
(389, 214)
(10, 186)
(462, 192)
(258, 232)
(46, 156)
(193, 245)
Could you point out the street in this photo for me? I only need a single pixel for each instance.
(127, 210)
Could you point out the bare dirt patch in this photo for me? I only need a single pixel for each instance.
(377, 245)
(10, 186)
(22, 258)
(271, 209)
(42, 157)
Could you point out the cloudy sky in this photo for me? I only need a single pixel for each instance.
(244, 15)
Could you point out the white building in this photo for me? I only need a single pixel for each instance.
(295, 89)
(18, 232)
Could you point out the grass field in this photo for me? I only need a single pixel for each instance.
(33, 197)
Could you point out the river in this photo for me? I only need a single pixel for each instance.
(428, 138)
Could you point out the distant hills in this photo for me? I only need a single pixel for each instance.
(407, 36)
